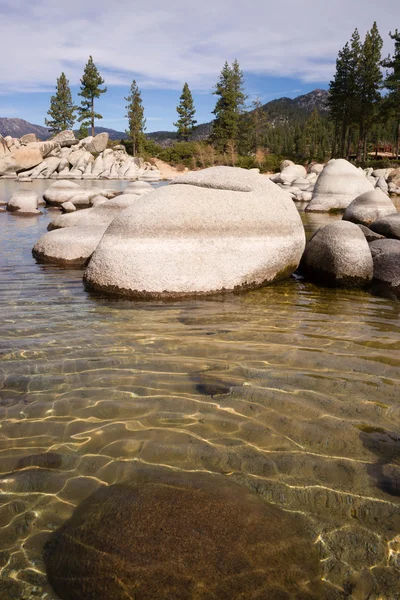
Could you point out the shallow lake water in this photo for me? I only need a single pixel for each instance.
(292, 390)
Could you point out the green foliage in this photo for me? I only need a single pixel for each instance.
(90, 89)
(229, 106)
(343, 98)
(136, 120)
(186, 111)
(355, 98)
(391, 104)
(62, 108)
(82, 132)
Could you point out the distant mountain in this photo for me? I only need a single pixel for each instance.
(278, 112)
(18, 127)
(114, 135)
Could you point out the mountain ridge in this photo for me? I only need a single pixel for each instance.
(278, 111)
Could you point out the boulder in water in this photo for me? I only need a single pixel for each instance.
(338, 255)
(182, 536)
(368, 207)
(388, 226)
(221, 229)
(339, 184)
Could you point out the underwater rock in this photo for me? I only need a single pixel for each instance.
(182, 536)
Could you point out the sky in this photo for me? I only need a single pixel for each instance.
(284, 49)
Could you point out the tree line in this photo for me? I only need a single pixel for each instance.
(363, 113)
(358, 110)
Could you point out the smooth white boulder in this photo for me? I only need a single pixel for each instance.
(24, 202)
(61, 191)
(339, 184)
(216, 230)
(68, 246)
(68, 207)
(368, 207)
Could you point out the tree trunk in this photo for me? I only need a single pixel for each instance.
(360, 143)
(349, 137)
(398, 139)
(334, 141)
(93, 117)
(365, 147)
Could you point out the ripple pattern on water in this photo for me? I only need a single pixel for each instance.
(292, 391)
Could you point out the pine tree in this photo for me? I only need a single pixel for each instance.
(90, 89)
(61, 108)
(136, 120)
(392, 84)
(369, 82)
(186, 111)
(343, 95)
(229, 106)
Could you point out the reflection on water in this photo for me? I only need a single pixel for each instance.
(292, 391)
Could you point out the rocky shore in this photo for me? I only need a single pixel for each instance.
(65, 157)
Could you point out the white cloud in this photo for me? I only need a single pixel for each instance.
(163, 44)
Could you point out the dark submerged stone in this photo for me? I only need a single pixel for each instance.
(182, 536)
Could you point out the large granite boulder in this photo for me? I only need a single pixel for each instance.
(388, 226)
(394, 176)
(24, 202)
(338, 185)
(338, 255)
(65, 138)
(98, 143)
(368, 207)
(220, 229)
(171, 535)
(21, 159)
(8, 166)
(28, 138)
(4, 150)
(386, 257)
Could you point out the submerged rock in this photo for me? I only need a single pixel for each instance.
(182, 536)
(221, 229)
(339, 184)
(338, 255)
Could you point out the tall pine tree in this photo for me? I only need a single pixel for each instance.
(343, 95)
(90, 89)
(369, 82)
(392, 84)
(186, 111)
(136, 120)
(61, 111)
(229, 106)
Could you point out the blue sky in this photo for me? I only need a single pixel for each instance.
(284, 49)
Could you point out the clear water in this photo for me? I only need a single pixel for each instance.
(292, 390)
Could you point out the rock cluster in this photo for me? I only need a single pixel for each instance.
(221, 229)
(333, 187)
(73, 236)
(65, 157)
(346, 254)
